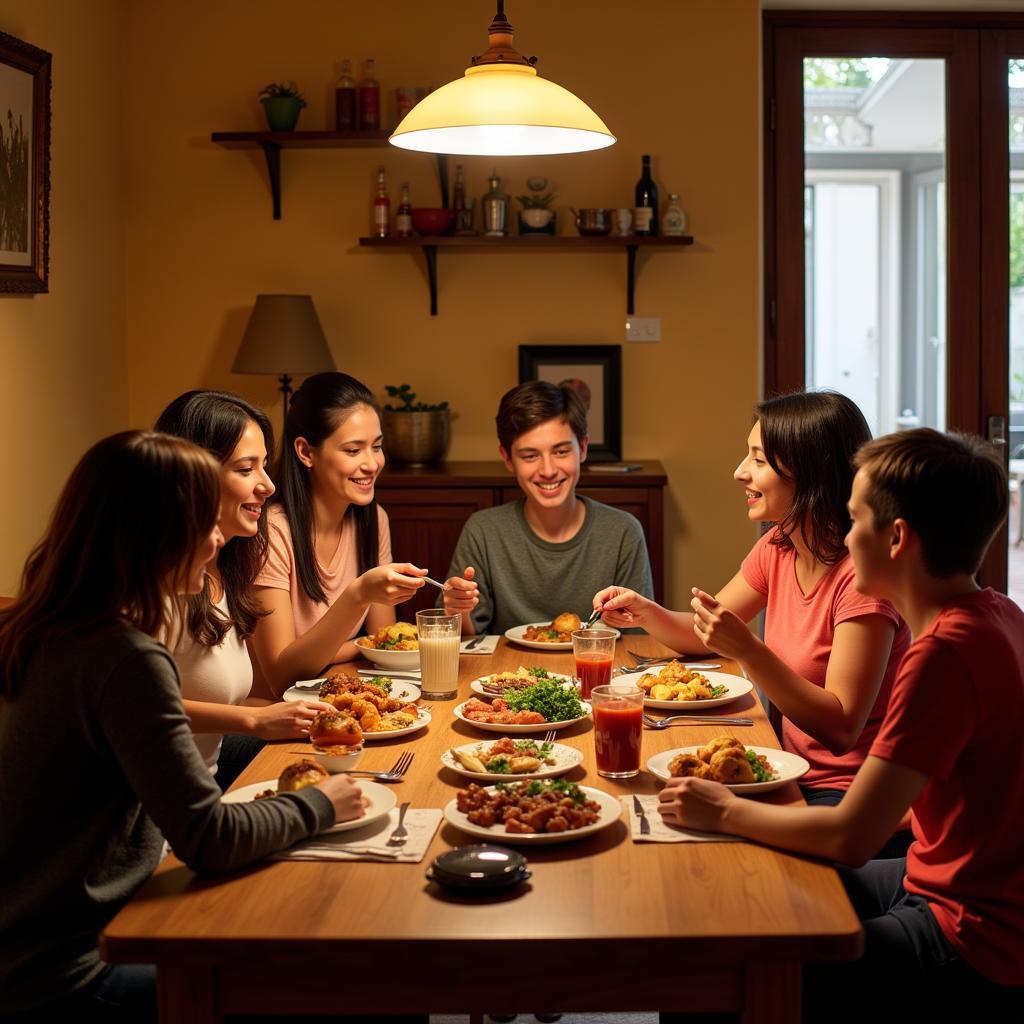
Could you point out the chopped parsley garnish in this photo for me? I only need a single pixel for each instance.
(547, 697)
(762, 772)
(539, 673)
(498, 765)
(381, 682)
(719, 691)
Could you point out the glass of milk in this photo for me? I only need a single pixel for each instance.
(440, 635)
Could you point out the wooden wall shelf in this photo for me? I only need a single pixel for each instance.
(535, 243)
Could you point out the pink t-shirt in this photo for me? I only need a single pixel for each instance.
(957, 715)
(799, 629)
(281, 573)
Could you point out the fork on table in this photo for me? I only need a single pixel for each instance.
(643, 661)
(394, 774)
(401, 834)
(664, 723)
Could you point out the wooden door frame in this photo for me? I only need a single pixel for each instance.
(977, 260)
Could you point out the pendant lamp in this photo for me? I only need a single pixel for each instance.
(501, 107)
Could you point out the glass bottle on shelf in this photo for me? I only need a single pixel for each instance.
(345, 118)
(381, 208)
(403, 215)
(645, 210)
(369, 99)
(674, 221)
(458, 190)
(494, 208)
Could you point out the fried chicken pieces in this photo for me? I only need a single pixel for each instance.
(723, 759)
(369, 706)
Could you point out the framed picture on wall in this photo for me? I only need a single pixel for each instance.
(24, 166)
(595, 372)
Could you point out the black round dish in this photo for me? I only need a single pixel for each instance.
(481, 868)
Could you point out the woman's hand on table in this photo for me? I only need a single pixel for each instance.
(695, 803)
(286, 719)
(346, 796)
(389, 584)
(461, 594)
(719, 629)
(622, 607)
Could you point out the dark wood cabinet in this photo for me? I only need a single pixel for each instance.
(428, 507)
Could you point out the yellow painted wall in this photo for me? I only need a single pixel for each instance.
(62, 358)
(201, 242)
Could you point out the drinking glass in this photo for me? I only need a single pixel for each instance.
(618, 728)
(439, 636)
(593, 649)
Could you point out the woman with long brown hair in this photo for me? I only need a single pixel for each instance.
(329, 567)
(208, 640)
(99, 761)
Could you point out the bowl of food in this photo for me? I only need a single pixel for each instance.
(432, 220)
(393, 647)
(338, 759)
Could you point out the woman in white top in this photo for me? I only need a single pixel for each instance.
(207, 637)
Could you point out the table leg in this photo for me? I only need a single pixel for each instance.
(772, 994)
(186, 995)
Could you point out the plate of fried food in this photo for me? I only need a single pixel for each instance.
(340, 682)
(510, 760)
(393, 647)
(676, 687)
(378, 799)
(549, 636)
(547, 704)
(725, 759)
(532, 813)
(498, 684)
(363, 710)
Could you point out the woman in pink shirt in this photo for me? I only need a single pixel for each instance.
(829, 653)
(328, 567)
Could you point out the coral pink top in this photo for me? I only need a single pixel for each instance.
(799, 629)
(280, 571)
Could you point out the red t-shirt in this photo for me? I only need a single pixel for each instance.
(799, 629)
(957, 715)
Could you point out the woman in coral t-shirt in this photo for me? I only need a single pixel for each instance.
(328, 565)
(829, 653)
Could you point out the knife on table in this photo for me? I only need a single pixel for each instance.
(638, 809)
(475, 642)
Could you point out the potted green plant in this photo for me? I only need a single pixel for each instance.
(282, 103)
(536, 214)
(415, 433)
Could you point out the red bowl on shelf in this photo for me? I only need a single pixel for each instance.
(429, 220)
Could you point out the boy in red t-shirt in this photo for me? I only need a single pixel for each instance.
(945, 926)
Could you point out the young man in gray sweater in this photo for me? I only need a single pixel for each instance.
(552, 550)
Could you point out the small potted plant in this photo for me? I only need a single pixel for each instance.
(282, 103)
(415, 433)
(536, 215)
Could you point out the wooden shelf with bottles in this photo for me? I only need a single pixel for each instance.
(273, 142)
(535, 242)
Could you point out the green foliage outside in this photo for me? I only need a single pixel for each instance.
(835, 73)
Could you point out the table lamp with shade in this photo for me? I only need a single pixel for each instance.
(283, 336)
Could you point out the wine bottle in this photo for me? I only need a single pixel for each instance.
(403, 215)
(381, 208)
(345, 119)
(369, 99)
(645, 212)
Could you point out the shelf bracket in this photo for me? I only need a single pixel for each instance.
(630, 278)
(430, 255)
(272, 151)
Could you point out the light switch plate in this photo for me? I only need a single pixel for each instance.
(643, 328)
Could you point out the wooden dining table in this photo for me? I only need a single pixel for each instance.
(604, 923)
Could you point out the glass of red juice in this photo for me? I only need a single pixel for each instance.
(593, 649)
(618, 728)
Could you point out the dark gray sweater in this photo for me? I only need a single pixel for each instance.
(97, 766)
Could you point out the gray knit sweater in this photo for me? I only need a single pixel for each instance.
(97, 766)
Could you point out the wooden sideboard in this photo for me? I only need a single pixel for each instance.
(428, 507)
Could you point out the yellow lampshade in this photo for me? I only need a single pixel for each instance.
(501, 107)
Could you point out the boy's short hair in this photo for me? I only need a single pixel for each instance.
(536, 402)
(950, 488)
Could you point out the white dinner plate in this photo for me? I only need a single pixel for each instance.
(515, 634)
(610, 812)
(738, 687)
(477, 686)
(787, 767)
(309, 689)
(566, 758)
(422, 723)
(380, 800)
(519, 730)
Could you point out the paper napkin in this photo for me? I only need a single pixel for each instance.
(486, 646)
(662, 833)
(371, 841)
